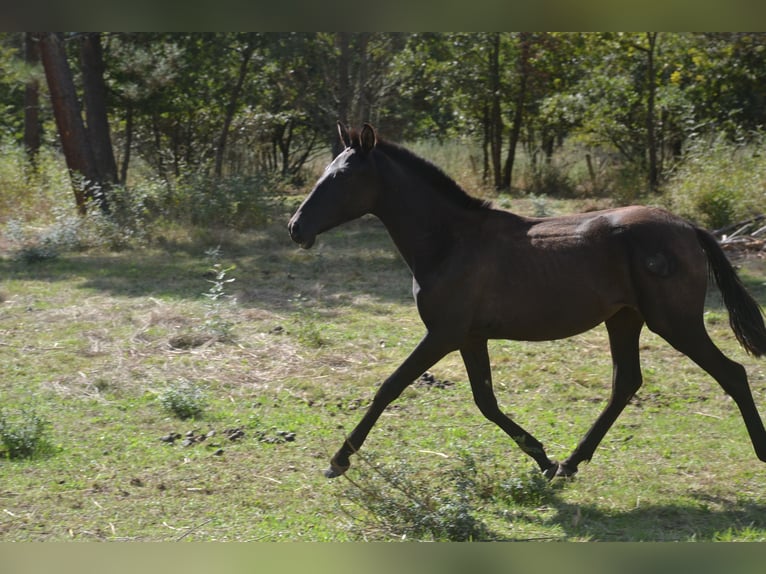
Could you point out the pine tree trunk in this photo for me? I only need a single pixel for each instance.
(66, 110)
(97, 121)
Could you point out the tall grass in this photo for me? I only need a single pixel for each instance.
(32, 193)
(719, 182)
(38, 218)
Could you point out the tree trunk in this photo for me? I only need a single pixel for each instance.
(651, 143)
(66, 110)
(343, 45)
(32, 127)
(518, 113)
(128, 143)
(495, 116)
(485, 145)
(231, 107)
(97, 121)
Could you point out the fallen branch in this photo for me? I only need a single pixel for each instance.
(743, 237)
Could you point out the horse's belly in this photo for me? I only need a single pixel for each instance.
(552, 315)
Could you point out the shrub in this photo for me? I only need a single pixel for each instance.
(23, 433)
(235, 202)
(401, 504)
(532, 489)
(551, 180)
(184, 399)
(719, 183)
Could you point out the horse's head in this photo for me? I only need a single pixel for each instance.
(346, 190)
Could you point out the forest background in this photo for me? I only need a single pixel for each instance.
(197, 127)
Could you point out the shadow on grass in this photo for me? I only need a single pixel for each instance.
(662, 522)
(270, 270)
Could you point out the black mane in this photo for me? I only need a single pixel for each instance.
(440, 181)
(443, 183)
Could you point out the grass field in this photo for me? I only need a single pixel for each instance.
(282, 362)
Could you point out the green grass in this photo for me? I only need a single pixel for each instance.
(91, 340)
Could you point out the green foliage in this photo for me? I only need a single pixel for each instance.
(405, 505)
(234, 202)
(24, 433)
(532, 489)
(184, 399)
(402, 504)
(719, 183)
(551, 180)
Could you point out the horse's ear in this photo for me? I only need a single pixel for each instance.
(368, 137)
(344, 137)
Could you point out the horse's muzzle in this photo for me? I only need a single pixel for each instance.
(298, 234)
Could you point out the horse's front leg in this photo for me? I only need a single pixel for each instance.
(429, 351)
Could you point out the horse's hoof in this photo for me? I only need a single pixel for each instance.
(335, 470)
(551, 471)
(565, 471)
(559, 470)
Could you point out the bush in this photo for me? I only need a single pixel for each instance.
(24, 433)
(402, 504)
(551, 180)
(235, 202)
(719, 183)
(398, 502)
(184, 399)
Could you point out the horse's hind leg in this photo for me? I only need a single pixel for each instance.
(691, 338)
(477, 364)
(624, 329)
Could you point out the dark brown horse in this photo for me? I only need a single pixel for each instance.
(480, 273)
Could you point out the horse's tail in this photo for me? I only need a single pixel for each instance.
(745, 314)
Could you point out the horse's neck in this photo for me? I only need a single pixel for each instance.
(422, 224)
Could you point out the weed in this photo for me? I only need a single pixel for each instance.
(310, 330)
(401, 504)
(23, 434)
(216, 325)
(184, 399)
(540, 205)
(532, 489)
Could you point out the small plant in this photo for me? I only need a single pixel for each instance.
(184, 399)
(532, 489)
(215, 324)
(310, 330)
(404, 505)
(23, 434)
(540, 205)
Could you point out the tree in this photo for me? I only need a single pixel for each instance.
(32, 127)
(97, 121)
(628, 101)
(66, 109)
(723, 75)
(524, 72)
(245, 51)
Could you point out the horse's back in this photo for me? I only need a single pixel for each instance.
(554, 277)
